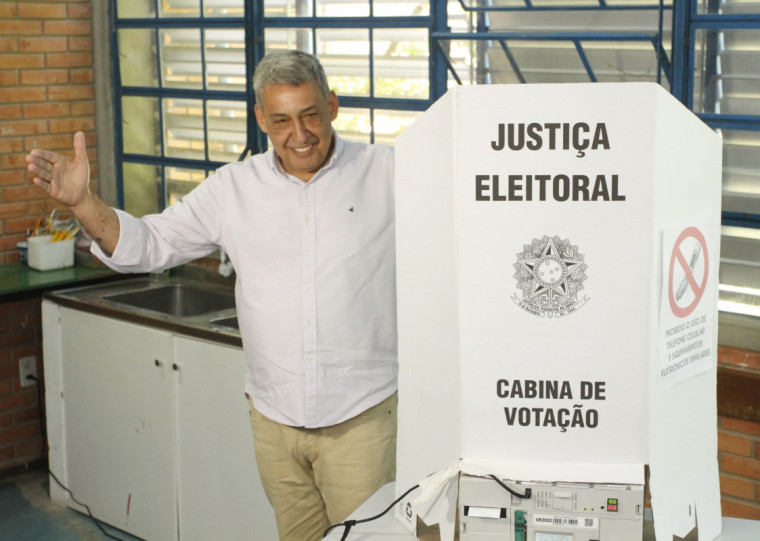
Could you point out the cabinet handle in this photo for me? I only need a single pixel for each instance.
(175, 367)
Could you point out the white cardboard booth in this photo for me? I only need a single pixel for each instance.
(557, 255)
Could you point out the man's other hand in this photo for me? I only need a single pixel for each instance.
(65, 179)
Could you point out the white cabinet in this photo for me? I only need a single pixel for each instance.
(117, 408)
(219, 491)
(150, 429)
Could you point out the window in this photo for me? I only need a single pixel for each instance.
(376, 54)
(183, 102)
(726, 91)
(722, 86)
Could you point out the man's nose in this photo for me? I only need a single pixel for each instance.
(300, 131)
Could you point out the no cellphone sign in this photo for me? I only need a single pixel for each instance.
(687, 307)
(688, 272)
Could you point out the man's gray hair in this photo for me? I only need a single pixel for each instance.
(291, 68)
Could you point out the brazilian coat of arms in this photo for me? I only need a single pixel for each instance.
(550, 274)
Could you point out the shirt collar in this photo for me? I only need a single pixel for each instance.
(337, 151)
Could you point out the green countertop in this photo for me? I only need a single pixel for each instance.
(16, 278)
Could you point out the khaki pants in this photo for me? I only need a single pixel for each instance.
(315, 478)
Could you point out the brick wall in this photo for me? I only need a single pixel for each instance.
(739, 448)
(20, 336)
(46, 94)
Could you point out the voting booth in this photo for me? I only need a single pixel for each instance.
(557, 256)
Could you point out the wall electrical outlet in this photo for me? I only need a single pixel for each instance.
(27, 366)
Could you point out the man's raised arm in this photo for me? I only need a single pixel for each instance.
(67, 181)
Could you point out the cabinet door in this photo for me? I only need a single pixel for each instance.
(118, 422)
(219, 490)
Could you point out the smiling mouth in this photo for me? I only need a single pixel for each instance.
(303, 149)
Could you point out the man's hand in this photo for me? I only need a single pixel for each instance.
(65, 179)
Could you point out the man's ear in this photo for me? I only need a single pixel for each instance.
(332, 103)
(260, 118)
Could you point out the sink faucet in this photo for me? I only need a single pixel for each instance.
(225, 265)
(156, 276)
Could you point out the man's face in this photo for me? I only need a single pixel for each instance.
(298, 121)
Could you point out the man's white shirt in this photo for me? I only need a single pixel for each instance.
(316, 278)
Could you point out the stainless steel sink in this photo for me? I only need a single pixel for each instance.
(230, 322)
(180, 300)
(200, 308)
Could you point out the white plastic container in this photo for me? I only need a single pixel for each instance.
(47, 255)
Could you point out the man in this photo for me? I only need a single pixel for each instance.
(309, 227)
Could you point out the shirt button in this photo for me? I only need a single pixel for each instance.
(308, 252)
(308, 218)
(308, 286)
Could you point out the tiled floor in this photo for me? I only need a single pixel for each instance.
(27, 514)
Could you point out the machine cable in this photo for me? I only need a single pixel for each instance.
(525, 496)
(348, 524)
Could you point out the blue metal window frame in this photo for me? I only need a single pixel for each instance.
(159, 92)
(688, 21)
(437, 68)
(254, 22)
(576, 38)
(601, 4)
